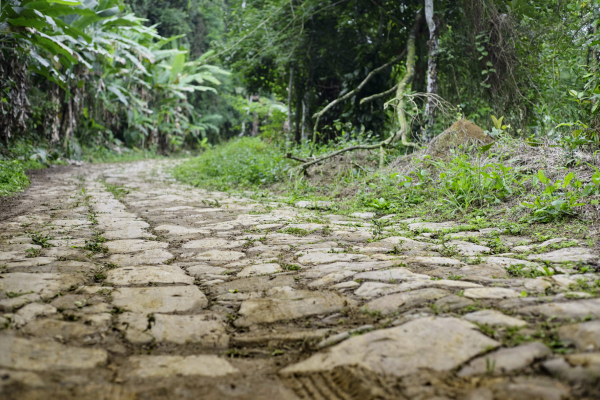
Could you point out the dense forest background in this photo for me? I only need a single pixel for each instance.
(162, 75)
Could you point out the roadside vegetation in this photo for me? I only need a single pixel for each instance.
(338, 101)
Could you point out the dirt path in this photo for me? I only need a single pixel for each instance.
(170, 292)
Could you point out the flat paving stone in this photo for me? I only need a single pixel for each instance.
(200, 271)
(285, 303)
(167, 366)
(577, 369)
(143, 275)
(369, 290)
(355, 236)
(325, 258)
(205, 329)
(393, 302)
(490, 293)
(255, 284)
(129, 233)
(392, 275)
(220, 255)
(566, 310)
(333, 277)
(401, 243)
(441, 344)
(259, 269)
(157, 256)
(585, 335)
(570, 254)
(46, 285)
(212, 243)
(134, 245)
(32, 311)
(170, 299)
(506, 360)
(494, 318)
(51, 328)
(432, 226)
(176, 230)
(35, 355)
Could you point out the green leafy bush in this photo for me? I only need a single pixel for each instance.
(558, 200)
(464, 183)
(238, 163)
(12, 177)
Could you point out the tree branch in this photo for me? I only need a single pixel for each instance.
(402, 134)
(378, 95)
(357, 89)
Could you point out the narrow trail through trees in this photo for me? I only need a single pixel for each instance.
(116, 282)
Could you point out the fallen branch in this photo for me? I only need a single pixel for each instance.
(290, 156)
(308, 163)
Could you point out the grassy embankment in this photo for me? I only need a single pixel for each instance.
(536, 190)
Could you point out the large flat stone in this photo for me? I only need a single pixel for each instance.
(144, 275)
(285, 303)
(393, 302)
(176, 230)
(134, 245)
(204, 329)
(117, 224)
(586, 335)
(325, 269)
(400, 243)
(170, 299)
(490, 293)
(577, 369)
(374, 289)
(432, 226)
(392, 275)
(212, 244)
(570, 254)
(255, 284)
(157, 256)
(440, 344)
(32, 311)
(506, 360)
(202, 270)
(51, 328)
(566, 310)
(36, 355)
(325, 258)
(259, 269)
(219, 255)
(494, 318)
(46, 285)
(333, 277)
(166, 366)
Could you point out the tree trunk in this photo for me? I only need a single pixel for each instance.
(402, 133)
(304, 136)
(289, 136)
(432, 67)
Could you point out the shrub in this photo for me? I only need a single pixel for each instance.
(238, 163)
(12, 177)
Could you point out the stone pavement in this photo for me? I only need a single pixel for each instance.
(172, 292)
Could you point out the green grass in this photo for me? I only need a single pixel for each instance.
(238, 164)
(101, 154)
(12, 178)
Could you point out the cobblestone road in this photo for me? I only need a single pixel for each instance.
(118, 283)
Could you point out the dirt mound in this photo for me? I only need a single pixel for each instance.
(462, 132)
